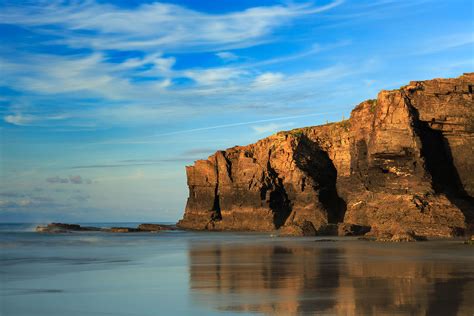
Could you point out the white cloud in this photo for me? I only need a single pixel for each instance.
(158, 64)
(45, 80)
(155, 25)
(50, 74)
(86, 75)
(139, 88)
(214, 75)
(19, 119)
(165, 83)
(28, 119)
(268, 79)
(271, 127)
(227, 56)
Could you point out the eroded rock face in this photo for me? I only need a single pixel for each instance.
(405, 158)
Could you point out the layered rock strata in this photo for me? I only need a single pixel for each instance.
(402, 162)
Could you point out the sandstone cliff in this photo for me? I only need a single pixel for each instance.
(401, 162)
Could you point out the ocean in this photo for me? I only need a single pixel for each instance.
(209, 273)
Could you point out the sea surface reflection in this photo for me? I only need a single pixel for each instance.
(196, 273)
(334, 278)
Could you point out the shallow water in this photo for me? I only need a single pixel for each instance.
(184, 273)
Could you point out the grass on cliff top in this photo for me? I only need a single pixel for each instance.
(298, 132)
(373, 105)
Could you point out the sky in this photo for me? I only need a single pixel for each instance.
(104, 103)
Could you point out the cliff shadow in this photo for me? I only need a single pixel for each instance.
(216, 206)
(440, 164)
(279, 201)
(317, 165)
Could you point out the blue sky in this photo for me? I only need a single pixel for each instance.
(103, 103)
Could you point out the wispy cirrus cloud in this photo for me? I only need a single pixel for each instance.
(227, 56)
(146, 86)
(439, 44)
(168, 26)
(271, 127)
(212, 76)
(135, 102)
(268, 79)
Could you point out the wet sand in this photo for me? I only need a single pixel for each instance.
(191, 273)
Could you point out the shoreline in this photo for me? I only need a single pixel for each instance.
(61, 228)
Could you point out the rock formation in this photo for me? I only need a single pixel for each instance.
(401, 163)
(60, 228)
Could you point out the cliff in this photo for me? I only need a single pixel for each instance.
(402, 162)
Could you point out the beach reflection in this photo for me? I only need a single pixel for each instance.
(333, 278)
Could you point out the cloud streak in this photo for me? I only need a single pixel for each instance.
(271, 127)
(167, 26)
(221, 126)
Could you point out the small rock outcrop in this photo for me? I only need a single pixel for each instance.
(63, 228)
(155, 227)
(120, 230)
(403, 159)
(68, 228)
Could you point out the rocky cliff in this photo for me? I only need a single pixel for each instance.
(402, 162)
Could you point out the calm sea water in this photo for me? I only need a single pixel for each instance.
(192, 273)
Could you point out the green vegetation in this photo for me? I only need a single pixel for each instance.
(297, 132)
(373, 105)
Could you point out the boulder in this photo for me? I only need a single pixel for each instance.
(305, 228)
(347, 229)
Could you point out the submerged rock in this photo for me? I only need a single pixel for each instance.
(404, 158)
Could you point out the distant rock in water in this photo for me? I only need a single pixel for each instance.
(120, 230)
(155, 227)
(65, 228)
(405, 158)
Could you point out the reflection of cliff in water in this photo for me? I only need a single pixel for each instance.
(343, 278)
